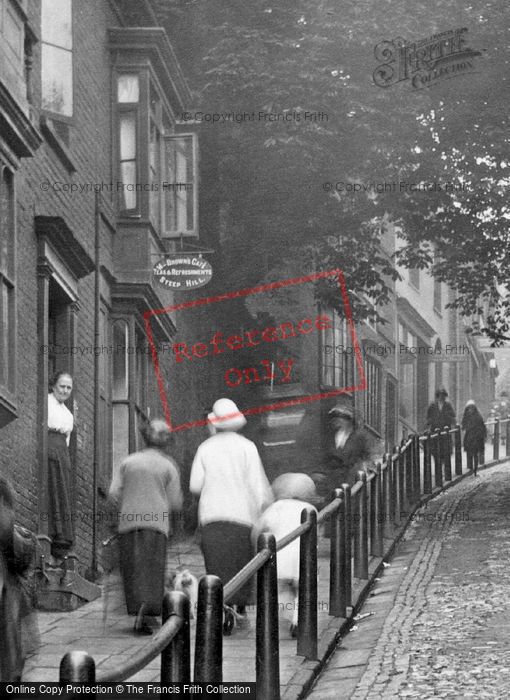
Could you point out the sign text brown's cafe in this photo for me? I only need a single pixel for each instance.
(183, 272)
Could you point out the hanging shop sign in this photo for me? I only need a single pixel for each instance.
(183, 272)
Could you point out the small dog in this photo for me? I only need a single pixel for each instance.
(183, 580)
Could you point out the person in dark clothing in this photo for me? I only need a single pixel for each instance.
(441, 414)
(349, 448)
(18, 626)
(474, 437)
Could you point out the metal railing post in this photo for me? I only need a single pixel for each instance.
(361, 540)
(438, 463)
(307, 607)
(175, 658)
(427, 464)
(408, 468)
(448, 454)
(417, 471)
(267, 655)
(77, 667)
(458, 450)
(346, 488)
(209, 633)
(399, 479)
(497, 438)
(376, 521)
(337, 598)
(386, 484)
(507, 425)
(394, 484)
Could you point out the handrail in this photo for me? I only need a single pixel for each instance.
(328, 510)
(244, 575)
(139, 660)
(390, 487)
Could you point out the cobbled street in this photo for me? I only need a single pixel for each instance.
(440, 617)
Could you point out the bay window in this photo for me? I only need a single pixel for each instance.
(57, 57)
(161, 186)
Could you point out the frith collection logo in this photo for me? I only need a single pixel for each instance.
(424, 62)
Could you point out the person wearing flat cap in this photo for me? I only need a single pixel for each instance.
(146, 489)
(228, 476)
(440, 413)
(349, 448)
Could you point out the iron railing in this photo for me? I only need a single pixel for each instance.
(361, 518)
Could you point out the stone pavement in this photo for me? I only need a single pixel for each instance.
(439, 623)
(103, 629)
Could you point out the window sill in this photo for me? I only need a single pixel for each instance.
(438, 312)
(57, 144)
(8, 410)
(324, 388)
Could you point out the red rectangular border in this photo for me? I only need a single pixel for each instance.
(244, 293)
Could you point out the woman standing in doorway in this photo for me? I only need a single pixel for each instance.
(60, 427)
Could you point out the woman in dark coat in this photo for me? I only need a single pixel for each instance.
(146, 488)
(474, 437)
(18, 629)
(349, 449)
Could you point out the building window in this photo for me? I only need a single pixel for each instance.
(141, 388)
(414, 277)
(7, 284)
(407, 377)
(128, 95)
(336, 359)
(166, 192)
(372, 395)
(12, 49)
(180, 185)
(57, 57)
(130, 374)
(120, 391)
(438, 302)
(104, 418)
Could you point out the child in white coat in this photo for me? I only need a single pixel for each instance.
(292, 493)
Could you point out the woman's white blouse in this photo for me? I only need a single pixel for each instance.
(59, 417)
(341, 438)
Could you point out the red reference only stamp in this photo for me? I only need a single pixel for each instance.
(278, 371)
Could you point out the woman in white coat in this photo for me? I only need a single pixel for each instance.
(228, 476)
(293, 492)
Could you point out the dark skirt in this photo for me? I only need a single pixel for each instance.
(142, 566)
(11, 651)
(227, 547)
(60, 515)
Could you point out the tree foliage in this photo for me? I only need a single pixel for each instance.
(291, 57)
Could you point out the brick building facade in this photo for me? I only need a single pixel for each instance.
(98, 181)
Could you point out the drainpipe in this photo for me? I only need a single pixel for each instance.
(97, 311)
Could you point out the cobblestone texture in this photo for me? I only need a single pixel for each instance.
(446, 633)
